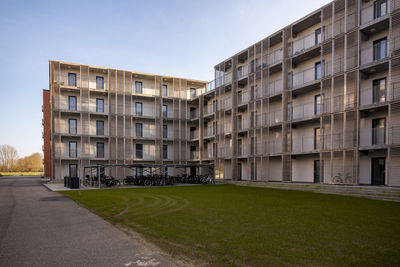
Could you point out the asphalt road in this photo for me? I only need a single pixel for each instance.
(43, 228)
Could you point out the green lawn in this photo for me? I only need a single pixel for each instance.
(237, 225)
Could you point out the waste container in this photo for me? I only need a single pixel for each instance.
(74, 182)
(65, 181)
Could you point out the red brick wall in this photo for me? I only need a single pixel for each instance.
(46, 134)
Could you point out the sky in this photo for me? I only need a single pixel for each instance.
(183, 38)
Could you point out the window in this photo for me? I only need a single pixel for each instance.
(165, 151)
(380, 8)
(100, 150)
(193, 113)
(72, 102)
(139, 110)
(164, 111)
(317, 138)
(318, 70)
(318, 36)
(317, 104)
(193, 152)
(289, 111)
(99, 127)
(165, 131)
(100, 82)
(164, 90)
(99, 105)
(73, 149)
(139, 172)
(139, 130)
(139, 151)
(73, 170)
(379, 49)
(192, 132)
(192, 92)
(72, 126)
(139, 88)
(378, 131)
(379, 90)
(71, 79)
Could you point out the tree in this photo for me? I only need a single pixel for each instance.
(31, 163)
(8, 157)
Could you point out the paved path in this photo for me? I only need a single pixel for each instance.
(43, 228)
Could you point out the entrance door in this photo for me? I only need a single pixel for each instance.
(378, 171)
(73, 170)
(239, 171)
(317, 172)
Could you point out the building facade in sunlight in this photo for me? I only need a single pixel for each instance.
(316, 102)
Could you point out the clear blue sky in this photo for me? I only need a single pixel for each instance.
(179, 38)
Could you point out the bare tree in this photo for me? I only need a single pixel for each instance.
(8, 157)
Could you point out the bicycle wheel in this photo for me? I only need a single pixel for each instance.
(337, 180)
(147, 182)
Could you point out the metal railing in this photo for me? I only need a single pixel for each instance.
(275, 87)
(209, 109)
(193, 114)
(340, 103)
(303, 77)
(193, 135)
(368, 13)
(244, 150)
(194, 155)
(242, 71)
(395, 91)
(209, 153)
(338, 140)
(64, 81)
(369, 96)
(243, 124)
(274, 56)
(304, 43)
(339, 26)
(209, 132)
(244, 97)
(305, 110)
(373, 137)
(394, 135)
(304, 144)
(368, 55)
(274, 146)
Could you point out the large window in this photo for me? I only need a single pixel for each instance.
(71, 79)
(99, 127)
(165, 151)
(72, 126)
(192, 92)
(73, 170)
(318, 36)
(72, 103)
(380, 49)
(73, 153)
(379, 90)
(139, 88)
(100, 82)
(164, 111)
(165, 131)
(318, 70)
(380, 8)
(100, 150)
(317, 138)
(379, 131)
(139, 110)
(164, 90)
(99, 105)
(139, 151)
(317, 104)
(139, 130)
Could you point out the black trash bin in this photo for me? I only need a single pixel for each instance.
(65, 181)
(74, 182)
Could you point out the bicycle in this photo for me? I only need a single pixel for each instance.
(338, 179)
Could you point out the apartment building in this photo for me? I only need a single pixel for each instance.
(316, 102)
(107, 116)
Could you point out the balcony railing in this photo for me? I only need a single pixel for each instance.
(373, 137)
(64, 81)
(340, 103)
(306, 110)
(368, 13)
(244, 150)
(275, 56)
(208, 153)
(304, 144)
(209, 109)
(194, 155)
(368, 55)
(243, 124)
(339, 26)
(369, 96)
(275, 87)
(339, 140)
(274, 146)
(304, 43)
(193, 135)
(394, 135)
(209, 132)
(242, 71)
(244, 97)
(395, 91)
(273, 117)
(193, 114)
(303, 77)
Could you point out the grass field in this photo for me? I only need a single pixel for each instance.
(236, 225)
(21, 173)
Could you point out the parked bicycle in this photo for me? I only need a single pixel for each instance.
(339, 179)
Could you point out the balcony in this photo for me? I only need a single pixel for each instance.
(275, 87)
(193, 114)
(370, 15)
(369, 96)
(244, 150)
(340, 103)
(194, 155)
(373, 137)
(67, 84)
(305, 144)
(209, 110)
(244, 97)
(243, 124)
(242, 71)
(371, 55)
(209, 132)
(261, 148)
(208, 154)
(305, 111)
(305, 43)
(225, 104)
(274, 57)
(274, 146)
(147, 133)
(338, 141)
(394, 135)
(304, 78)
(193, 135)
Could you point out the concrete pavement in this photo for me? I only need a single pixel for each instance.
(43, 228)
